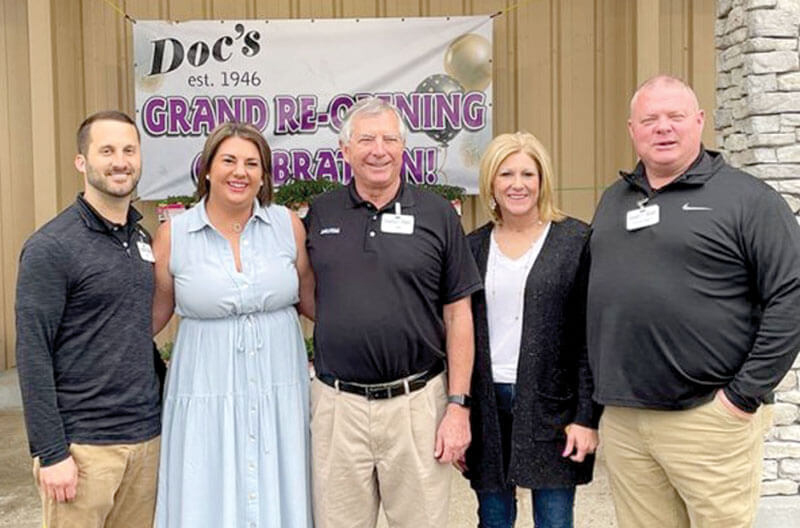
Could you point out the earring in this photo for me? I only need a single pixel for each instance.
(207, 178)
(492, 203)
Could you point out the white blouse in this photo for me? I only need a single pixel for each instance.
(505, 296)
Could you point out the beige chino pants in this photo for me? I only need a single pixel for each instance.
(116, 487)
(699, 467)
(368, 452)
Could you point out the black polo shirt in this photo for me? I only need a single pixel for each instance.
(84, 334)
(379, 295)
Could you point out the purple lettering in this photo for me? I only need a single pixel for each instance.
(257, 113)
(280, 166)
(301, 165)
(178, 116)
(203, 120)
(154, 120)
(285, 111)
(474, 111)
(308, 113)
(326, 165)
(337, 108)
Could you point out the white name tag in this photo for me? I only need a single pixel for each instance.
(397, 223)
(145, 251)
(642, 217)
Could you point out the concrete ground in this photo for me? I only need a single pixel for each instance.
(19, 501)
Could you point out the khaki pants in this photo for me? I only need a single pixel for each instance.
(365, 452)
(116, 487)
(699, 467)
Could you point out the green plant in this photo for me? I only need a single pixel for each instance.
(295, 192)
(166, 350)
(186, 201)
(448, 192)
(310, 347)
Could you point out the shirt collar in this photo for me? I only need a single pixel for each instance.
(199, 216)
(405, 195)
(700, 171)
(97, 222)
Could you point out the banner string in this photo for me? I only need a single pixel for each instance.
(510, 8)
(116, 8)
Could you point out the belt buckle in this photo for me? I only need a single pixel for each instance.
(378, 393)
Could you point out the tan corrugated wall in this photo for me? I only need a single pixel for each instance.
(564, 70)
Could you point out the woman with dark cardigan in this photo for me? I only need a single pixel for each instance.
(533, 421)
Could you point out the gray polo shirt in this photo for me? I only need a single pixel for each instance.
(84, 334)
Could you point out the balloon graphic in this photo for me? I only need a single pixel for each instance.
(474, 145)
(441, 83)
(468, 60)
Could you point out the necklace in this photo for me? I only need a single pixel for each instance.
(237, 227)
(520, 286)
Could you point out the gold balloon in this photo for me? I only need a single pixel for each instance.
(468, 59)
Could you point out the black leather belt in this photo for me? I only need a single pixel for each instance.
(383, 391)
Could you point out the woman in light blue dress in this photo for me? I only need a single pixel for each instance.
(234, 444)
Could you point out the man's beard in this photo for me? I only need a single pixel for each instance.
(101, 181)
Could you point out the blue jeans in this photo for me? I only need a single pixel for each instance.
(552, 507)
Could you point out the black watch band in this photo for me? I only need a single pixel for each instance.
(463, 400)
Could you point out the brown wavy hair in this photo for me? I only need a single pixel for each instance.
(246, 131)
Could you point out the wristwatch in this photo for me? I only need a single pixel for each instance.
(464, 400)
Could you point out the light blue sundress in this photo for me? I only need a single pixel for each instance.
(235, 440)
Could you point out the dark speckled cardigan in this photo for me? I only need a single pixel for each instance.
(554, 383)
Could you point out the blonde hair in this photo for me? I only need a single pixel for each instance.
(496, 153)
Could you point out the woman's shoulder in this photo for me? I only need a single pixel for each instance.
(479, 233)
(275, 212)
(572, 227)
(479, 236)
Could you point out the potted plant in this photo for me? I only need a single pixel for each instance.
(451, 193)
(172, 206)
(298, 194)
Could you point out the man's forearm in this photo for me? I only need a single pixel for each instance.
(460, 345)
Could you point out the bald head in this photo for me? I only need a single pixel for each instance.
(667, 81)
(665, 126)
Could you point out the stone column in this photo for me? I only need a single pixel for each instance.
(758, 129)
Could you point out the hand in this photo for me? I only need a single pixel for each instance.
(580, 439)
(734, 410)
(59, 481)
(453, 435)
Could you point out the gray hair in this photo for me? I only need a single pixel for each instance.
(371, 106)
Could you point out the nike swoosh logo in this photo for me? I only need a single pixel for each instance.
(687, 207)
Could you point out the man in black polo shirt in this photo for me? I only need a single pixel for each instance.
(84, 348)
(393, 282)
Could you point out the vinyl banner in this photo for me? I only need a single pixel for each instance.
(295, 79)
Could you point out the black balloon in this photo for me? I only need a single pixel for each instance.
(441, 83)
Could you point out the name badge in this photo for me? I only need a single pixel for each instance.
(145, 251)
(397, 223)
(642, 217)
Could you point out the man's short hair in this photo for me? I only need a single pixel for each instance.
(663, 79)
(370, 106)
(104, 115)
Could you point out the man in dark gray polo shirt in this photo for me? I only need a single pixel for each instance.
(84, 346)
(693, 318)
(393, 276)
